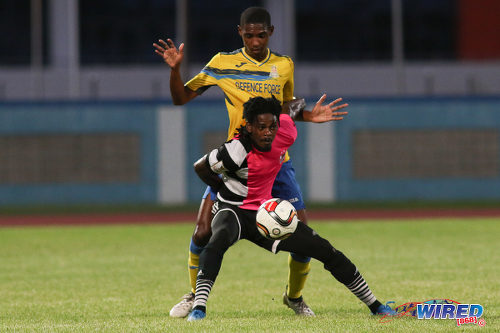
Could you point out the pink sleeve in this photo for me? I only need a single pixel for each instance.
(287, 133)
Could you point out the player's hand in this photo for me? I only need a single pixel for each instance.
(323, 113)
(169, 52)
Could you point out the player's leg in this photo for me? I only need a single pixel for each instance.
(225, 231)
(201, 236)
(307, 242)
(299, 267)
(199, 239)
(286, 187)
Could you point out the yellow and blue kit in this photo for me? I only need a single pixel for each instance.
(241, 77)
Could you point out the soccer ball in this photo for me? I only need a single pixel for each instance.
(276, 219)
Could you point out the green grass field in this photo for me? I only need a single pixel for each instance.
(126, 278)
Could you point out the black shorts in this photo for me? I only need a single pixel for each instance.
(245, 220)
(304, 241)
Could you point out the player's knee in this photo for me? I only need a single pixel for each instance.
(220, 241)
(301, 214)
(222, 236)
(202, 235)
(300, 258)
(341, 267)
(224, 229)
(203, 230)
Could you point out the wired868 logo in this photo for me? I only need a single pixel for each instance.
(441, 309)
(463, 313)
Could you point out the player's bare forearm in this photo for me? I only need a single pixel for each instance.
(180, 93)
(209, 177)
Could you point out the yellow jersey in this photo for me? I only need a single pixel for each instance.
(241, 77)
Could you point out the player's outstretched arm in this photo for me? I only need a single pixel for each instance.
(173, 58)
(324, 113)
(319, 114)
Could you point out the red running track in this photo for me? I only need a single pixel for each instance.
(190, 217)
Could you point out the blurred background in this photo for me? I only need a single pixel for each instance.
(86, 115)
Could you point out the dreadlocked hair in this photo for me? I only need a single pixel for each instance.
(256, 106)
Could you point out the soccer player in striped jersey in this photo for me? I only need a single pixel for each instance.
(248, 165)
(251, 71)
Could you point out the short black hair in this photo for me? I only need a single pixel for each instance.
(255, 15)
(260, 105)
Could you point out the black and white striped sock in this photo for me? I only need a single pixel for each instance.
(360, 288)
(203, 288)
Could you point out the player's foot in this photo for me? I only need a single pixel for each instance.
(196, 315)
(385, 310)
(300, 307)
(184, 307)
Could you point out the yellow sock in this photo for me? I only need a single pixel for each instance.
(297, 276)
(193, 262)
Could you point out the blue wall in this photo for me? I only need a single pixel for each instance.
(72, 118)
(418, 113)
(202, 115)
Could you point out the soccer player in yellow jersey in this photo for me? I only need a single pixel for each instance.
(254, 70)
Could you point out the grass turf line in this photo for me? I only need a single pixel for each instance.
(126, 278)
(63, 209)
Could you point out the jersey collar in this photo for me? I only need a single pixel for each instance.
(266, 59)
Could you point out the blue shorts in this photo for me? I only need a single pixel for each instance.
(285, 187)
(213, 194)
